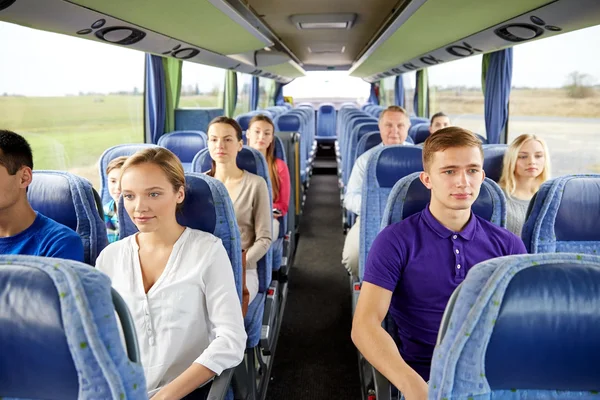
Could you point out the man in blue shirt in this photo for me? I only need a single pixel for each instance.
(414, 266)
(22, 230)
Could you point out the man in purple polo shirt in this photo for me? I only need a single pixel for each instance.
(414, 266)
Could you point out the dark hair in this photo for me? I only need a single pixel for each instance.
(274, 175)
(15, 152)
(437, 115)
(446, 138)
(227, 121)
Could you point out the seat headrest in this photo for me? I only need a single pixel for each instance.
(184, 144)
(418, 120)
(493, 156)
(397, 161)
(109, 155)
(289, 122)
(327, 109)
(247, 159)
(51, 194)
(364, 128)
(279, 149)
(409, 196)
(244, 120)
(579, 211)
(419, 132)
(36, 361)
(549, 322)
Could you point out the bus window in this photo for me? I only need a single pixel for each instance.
(71, 98)
(201, 86)
(455, 89)
(328, 86)
(266, 91)
(556, 95)
(244, 82)
(387, 91)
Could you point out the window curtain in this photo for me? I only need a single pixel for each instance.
(172, 67)
(278, 98)
(254, 90)
(155, 98)
(421, 99)
(374, 94)
(399, 91)
(230, 99)
(496, 80)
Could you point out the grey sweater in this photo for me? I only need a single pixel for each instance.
(515, 213)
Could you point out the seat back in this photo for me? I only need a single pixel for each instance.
(184, 144)
(283, 221)
(493, 159)
(109, 155)
(410, 196)
(69, 200)
(386, 166)
(326, 118)
(524, 326)
(59, 338)
(252, 161)
(368, 141)
(418, 120)
(564, 216)
(207, 207)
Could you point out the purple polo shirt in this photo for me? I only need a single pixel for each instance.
(422, 262)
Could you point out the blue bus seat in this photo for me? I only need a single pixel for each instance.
(326, 121)
(419, 132)
(523, 326)
(184, 144)
(290, 122)
(110, 154)
(59, 338)
(386, 166)
(564, 216)
(70, 200)
(418, 120)
(493, 159)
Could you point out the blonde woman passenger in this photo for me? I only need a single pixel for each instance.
(526, 166)
(249, 195)
(177, 282)
(261, 136)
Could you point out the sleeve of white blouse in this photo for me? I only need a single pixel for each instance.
(224, 313)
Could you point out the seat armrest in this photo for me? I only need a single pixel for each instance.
(269, 323)
(383, 388)
(220, 385)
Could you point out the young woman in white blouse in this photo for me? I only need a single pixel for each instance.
(177, 282)
(525, 167)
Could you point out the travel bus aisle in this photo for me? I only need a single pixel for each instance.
(315, 356)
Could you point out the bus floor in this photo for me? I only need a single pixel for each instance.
(315, 358)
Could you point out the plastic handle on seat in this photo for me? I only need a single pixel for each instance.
(133, 350)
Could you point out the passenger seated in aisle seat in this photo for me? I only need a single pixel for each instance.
(414, 265)
(23, 230)
(248, 192)
(261, 136)
(177, 282)
(526, 166)
(393, 128)
(438, 121)
(111, 218)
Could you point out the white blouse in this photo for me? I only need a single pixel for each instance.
(191, 314)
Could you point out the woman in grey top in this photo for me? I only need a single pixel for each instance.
(526, 167)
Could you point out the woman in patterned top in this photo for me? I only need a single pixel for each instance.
(111, 219)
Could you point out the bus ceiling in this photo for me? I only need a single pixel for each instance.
(282, 40)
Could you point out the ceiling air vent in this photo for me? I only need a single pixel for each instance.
(326, 48)
(323, 21)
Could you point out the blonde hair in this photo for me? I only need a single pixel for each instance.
(446, 138)
(507, 180)
(115, 163)
(272, 165)
(394, 109)
(168, 162)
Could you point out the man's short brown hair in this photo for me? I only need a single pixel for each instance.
(393, 109)
(452, 136)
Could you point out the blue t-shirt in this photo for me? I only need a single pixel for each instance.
(46, 238)
(421, 262)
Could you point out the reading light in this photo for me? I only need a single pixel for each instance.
(323, 21)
